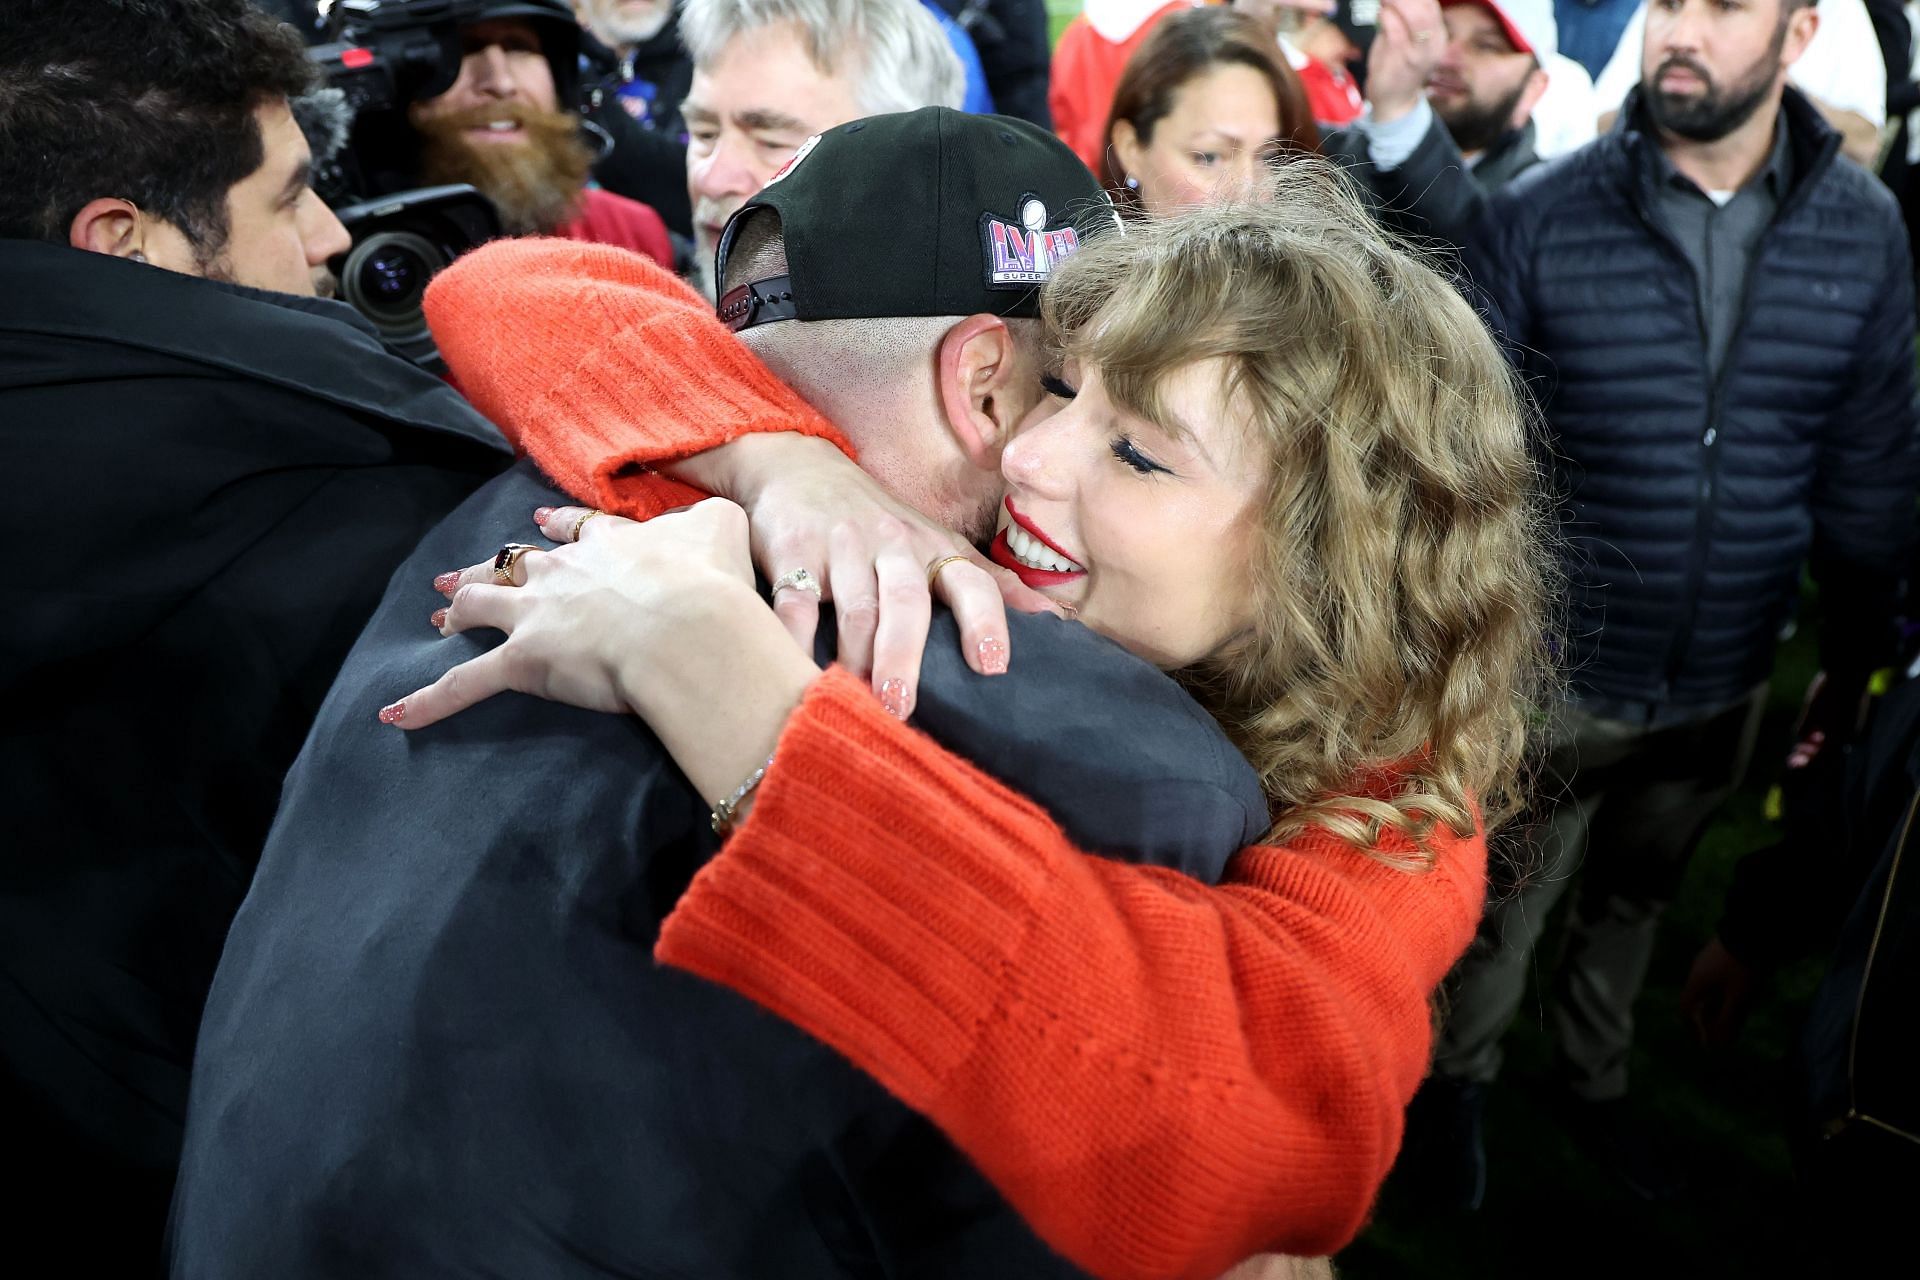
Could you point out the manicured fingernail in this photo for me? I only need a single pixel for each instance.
(893, 696)
(446, 582)
(439, 619)
(993, 656)
(395, 713)
(540, 514)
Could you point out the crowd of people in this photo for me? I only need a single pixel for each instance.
(966, 653)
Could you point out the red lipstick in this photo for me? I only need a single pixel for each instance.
(1029, 526)
(1001, 554)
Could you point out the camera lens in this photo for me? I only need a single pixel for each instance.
(393, 275)
(386, 277)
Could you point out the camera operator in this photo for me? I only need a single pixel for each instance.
(505, 128)
(227, 438)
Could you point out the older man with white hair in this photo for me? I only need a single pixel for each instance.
(769, 74)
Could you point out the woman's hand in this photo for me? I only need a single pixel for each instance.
(811, 508)
(660, 619)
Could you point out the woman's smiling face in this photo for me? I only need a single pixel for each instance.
(1146, 529)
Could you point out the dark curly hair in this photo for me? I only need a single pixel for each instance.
(150, 101)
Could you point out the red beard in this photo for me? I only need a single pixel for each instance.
(535, 182)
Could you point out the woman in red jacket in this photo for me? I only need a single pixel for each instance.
(1162, 1076)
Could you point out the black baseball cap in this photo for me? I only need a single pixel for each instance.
(921, 213)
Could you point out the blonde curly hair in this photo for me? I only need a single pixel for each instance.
(1403, 578)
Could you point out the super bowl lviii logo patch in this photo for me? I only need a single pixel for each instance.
(1021, 255)
(793, 162)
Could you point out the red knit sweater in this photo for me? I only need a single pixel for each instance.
(1163, 1077)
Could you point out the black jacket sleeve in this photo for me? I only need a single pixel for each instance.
(1864, 486)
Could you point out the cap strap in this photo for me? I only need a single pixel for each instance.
(761, 302)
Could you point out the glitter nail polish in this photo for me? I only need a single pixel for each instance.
(393, 714)
(446, 582)
(893, 696)
(993, 656)
(438, 619)
(540, 514)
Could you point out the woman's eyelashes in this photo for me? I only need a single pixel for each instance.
(1125, 450)
(1055, 385)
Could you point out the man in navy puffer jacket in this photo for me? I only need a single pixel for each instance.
(1716, 312)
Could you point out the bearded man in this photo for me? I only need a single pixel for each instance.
(505, 127)
(1451, 88)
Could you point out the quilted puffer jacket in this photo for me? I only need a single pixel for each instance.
(1688, 502)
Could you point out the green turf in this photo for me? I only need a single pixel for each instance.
(1059, 14)
(1549, 1214)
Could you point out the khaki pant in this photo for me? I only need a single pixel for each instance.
(1621, 806)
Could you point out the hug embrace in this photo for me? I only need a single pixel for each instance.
(1127, 902)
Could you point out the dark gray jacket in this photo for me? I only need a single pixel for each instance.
(1690, 501)
(438, 1043)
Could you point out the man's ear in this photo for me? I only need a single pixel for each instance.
(1530, 95)
(110, 226)
(978, 362)
(1127, 149)
(1802, 23)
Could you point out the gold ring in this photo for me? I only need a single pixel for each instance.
(581, 524)
(933, 570)
(504, 560)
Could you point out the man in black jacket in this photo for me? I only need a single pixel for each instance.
(226, 442)
(1717, 313)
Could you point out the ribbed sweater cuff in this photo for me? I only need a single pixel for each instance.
(599, 365)
(837, 905)
(657, 368)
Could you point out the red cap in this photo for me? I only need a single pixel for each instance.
(1515, 36)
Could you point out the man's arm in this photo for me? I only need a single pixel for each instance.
(1402, 153)
(1865, 483)
(1416, 176)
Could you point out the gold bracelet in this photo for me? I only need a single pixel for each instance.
(724, 811)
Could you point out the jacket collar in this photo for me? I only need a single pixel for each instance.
(1811, 142)
(321, 349)
(1508, 157)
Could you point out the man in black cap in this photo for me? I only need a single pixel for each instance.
(438, 1041)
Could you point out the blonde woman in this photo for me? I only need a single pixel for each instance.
(1164, 1077)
